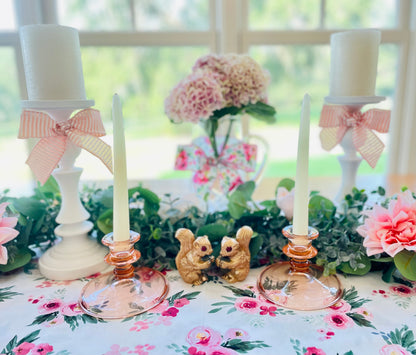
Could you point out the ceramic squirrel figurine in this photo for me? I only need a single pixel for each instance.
(235, 255)
(194, 256)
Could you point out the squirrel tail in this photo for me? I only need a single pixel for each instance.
(243, 237)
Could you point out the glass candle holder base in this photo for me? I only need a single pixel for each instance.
(304, 291)
(126, 291)
(298, 284)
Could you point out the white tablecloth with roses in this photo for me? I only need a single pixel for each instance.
(41, 316)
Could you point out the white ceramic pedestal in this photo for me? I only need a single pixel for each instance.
(76, 255)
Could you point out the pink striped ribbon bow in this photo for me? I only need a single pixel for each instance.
(336, 120)
(82, 130)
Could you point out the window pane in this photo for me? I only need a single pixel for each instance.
(296, 70)
(357, 13)
(143, 77)
(128, 15)
(295, 14)
(15, 173)
(7, 20)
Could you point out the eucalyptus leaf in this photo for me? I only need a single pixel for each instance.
(405, 262)
(363, 267)
(21, 258)
(214, 231)
(30, 207)
(105, 222)
(320, 205)
(237, 204)
(261, 111)
(287, 183)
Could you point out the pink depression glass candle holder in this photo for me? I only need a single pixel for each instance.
(126, 291)
(298, 284)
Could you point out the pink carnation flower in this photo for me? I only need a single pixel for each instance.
(7, 233)
(195, 98)
(391, 230)
(285, 200)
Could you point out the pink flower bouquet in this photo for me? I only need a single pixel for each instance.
(392, 231)
(220, 86)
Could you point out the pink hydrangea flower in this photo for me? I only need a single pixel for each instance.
(195, 98)
(42, 349)
(285, 200)
(23, 348)
(391, 230)
(314, 351)
(203, 337)
(338, 320)
(50, 306)
(7, 233)
(393, 349)
(247, 305)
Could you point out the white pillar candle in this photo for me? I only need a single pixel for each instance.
(52, 62)
(300, 207)
(121, 221)
(354, 57)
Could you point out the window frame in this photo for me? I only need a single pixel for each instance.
(229, 32)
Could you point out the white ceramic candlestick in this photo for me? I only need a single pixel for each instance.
(76, 255)
(300, 207)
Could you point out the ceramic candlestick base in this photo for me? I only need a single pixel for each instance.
(297, 284)
(127, 291)
(76, 255)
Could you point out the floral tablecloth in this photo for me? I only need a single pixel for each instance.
(41, 316)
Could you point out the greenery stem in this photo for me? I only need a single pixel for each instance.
(213, 129)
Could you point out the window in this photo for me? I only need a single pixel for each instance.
(142, 48)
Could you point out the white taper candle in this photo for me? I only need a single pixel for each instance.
(300, 208)
(121, 220)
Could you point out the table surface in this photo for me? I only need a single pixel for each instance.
(372, 318)
(41, 316)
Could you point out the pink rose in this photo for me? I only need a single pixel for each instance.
(247, 305)
(236, 333)
(219, 350)
(42, 349)
(339, 320)
(170, 312)
(364, 312)
(393, 349)
(7, 233)
(71, 309)
(23, 348)
(204, 337)
(285, 201)
(401, 290)
(341, 306)
(391, 230)
(50, 306)
(161, 307)
(314, 351)
(181, 302)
